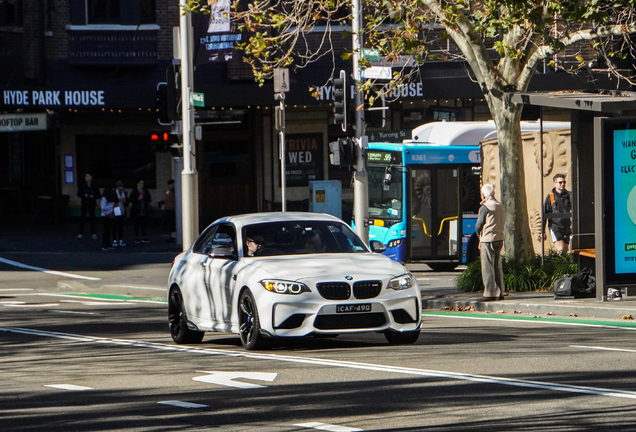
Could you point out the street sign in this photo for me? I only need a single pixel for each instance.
(377, 72)
(371, 54)
(197, 99)
(281, 80)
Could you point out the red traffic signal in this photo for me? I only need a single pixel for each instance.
(160, 137)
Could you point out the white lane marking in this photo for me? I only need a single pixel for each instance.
(328, 427)
(16, 289)
(603, 348)
(227, 378)
(68, 387)
(31, 305)
(334, 363)
(40, 269)
(12, 302)
(98, 303)
(74, 312)
(538, 321)
(183, 404)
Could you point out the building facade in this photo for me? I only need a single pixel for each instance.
(89, 70)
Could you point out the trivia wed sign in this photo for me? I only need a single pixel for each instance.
(624, 146)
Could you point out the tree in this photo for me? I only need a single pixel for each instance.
(502, 41)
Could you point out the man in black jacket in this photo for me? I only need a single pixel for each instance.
(88, 193)
(559, 200)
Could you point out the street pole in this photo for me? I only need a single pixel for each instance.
(360, 178)
(189, 175)
(283, 162)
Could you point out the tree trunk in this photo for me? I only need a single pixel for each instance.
(517, 236)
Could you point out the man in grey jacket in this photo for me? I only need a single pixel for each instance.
(490, 228)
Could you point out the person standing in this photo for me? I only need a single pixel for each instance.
(559, 200)
(140, 199)
(107, 203)
(170, 206)
(120, 214)
(88, 193)
(490, 228)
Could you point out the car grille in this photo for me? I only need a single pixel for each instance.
(350, 321)
(366, 289)
(334, 290)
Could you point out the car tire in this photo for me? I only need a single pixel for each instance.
(401, 338)
(178, 321)
(249, 322)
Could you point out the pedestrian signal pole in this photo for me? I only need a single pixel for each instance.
(189, 175)
(360, 178)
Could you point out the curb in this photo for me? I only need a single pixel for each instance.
(559, 308)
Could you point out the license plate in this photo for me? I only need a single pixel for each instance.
(350, 308)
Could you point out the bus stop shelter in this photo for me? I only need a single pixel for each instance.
(603, 140)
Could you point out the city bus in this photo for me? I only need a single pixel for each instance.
(424, 193)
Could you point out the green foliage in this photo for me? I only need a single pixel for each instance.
(521, 277)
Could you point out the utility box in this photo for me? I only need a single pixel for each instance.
(325, 196)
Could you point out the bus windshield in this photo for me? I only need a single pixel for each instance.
(385, 192)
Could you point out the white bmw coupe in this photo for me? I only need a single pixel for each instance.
(270, 275)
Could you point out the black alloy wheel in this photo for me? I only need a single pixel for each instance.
(178, 321)
(250, 326)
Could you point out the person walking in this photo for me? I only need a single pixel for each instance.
(120, 214)
(140, 199)
(490, 228)
(88, 193)
(107, 203)
(559, 200)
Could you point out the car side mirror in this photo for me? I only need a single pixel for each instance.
(377, 246)
(226, 252)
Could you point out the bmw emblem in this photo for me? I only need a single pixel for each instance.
(349, 277)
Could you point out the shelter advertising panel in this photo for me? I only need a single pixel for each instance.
(620, 200)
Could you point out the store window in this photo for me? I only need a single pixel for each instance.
(128, 158)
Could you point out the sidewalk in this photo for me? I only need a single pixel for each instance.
(23, 239)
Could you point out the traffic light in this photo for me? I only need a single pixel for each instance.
(340, 100)
(163, 116)
(173, 79)
(160, 141)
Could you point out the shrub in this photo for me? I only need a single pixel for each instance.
(517, 277)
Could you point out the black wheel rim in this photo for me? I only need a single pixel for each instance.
(247, 320)
(175, 314)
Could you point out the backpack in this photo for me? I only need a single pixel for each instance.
(581, 285)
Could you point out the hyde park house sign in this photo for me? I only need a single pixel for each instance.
(51, 98)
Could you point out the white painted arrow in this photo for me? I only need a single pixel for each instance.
(227, 378)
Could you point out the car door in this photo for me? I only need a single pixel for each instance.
(220, 265)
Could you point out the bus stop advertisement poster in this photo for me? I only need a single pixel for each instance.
(620, 200)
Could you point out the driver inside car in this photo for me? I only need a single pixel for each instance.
(254, 243)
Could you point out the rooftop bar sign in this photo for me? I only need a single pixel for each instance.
(22, 122)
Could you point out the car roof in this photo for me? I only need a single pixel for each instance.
(254, 218)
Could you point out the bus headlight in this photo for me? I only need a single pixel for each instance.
(394, 243)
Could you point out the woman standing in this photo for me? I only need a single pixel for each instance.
(107, 204)
(140, 200)
(120, 214)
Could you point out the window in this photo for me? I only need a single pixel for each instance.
(103, 12)
(112, 12)
(11, 13)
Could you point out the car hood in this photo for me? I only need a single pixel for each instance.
(336, 266)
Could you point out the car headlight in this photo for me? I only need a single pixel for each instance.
(401, 282)
(284, 287)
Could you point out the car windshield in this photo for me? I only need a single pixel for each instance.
(302, 237)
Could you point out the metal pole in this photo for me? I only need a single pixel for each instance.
(360, 179)
(541, 181)
(283, 163)
(189, 175)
